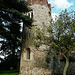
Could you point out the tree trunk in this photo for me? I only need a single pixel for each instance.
(66, 66)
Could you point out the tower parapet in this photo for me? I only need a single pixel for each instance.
(40, 2)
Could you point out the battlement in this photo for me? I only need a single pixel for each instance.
(40, 2)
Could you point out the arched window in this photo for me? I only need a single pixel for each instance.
(28, 54)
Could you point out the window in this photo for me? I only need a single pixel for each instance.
(28, 54)
(31, 14)
(28, 35)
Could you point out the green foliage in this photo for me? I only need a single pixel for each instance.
(40, 37)
(37, 44)
(63, 35)
(64, 31)
(39, 34)
(11, 15)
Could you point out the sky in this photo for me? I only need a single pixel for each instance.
(60, 5)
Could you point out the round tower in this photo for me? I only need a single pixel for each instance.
(33, 60)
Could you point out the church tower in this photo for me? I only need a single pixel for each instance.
(33, 60)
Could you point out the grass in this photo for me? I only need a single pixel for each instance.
(11, 72)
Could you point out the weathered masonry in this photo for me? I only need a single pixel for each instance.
(33, 60)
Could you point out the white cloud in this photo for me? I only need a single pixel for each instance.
(54, 16)
(60, 4)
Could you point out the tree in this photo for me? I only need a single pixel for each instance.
(11, 15)
(63, 36)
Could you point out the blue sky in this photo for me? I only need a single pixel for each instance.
(60, 5)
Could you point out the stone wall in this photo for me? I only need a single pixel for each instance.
(37, 64)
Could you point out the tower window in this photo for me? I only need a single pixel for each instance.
(31, 14)
(28, 54)
(28, 35)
